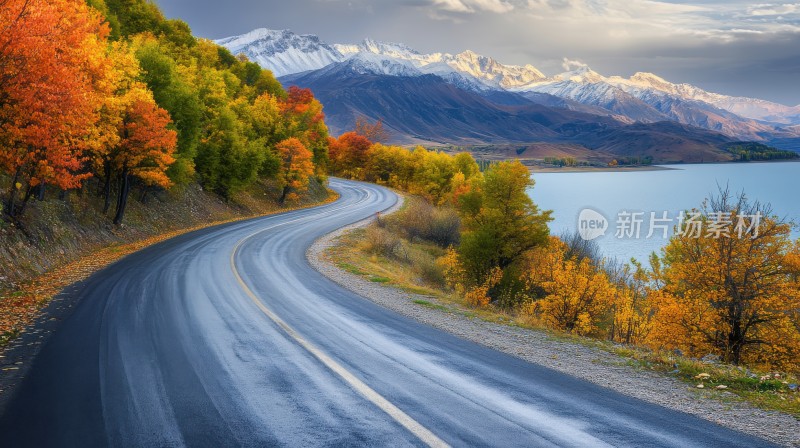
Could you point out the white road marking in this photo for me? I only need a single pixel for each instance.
(416, 428)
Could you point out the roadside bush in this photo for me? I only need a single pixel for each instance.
(380, 241)
(428, 269)
(421, 220)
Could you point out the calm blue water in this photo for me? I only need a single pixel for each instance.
(681, 188)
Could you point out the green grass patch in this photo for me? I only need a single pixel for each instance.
(434, 306)
(376, 279)
(351, 269)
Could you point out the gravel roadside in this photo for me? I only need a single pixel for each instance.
(588, 363)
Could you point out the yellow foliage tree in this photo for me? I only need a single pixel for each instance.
(632, 304)
(576, 293)
(731, 290)
(296, 168)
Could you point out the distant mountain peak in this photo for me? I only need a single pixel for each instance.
(377, 64)
(283, 51)
(582, 74)
(376, 46)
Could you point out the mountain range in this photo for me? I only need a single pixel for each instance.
(467, 98)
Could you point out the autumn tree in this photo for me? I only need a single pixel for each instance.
(433, 176)
(50, 53)
(635, 296)
(145, 149)
(501, 222)
(296, 168)
(172, 92)
(386, 165)
(305, 121)
(229, 158)
(349, 155)
(374, 132)
(117, 90)
(575, 292)
(731, 288)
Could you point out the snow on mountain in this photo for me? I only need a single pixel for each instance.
(586, 86)
(376, 64)
(492, 72)
(582, 74)
(753, 108)
(465, 68)
(283, 52)
(394, 50)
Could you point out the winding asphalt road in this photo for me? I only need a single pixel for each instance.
(227, 337)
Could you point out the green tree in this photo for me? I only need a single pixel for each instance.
(501, 222)
(227, 161)
(172, 93)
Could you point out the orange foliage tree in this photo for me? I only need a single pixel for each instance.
(732, 291)
(306, 121)
(51, 51)
(118, 89)
(349, 154)
(633, 304)
(296, 168)
(374, 132)
(145, 150)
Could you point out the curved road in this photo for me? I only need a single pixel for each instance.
(227, 337)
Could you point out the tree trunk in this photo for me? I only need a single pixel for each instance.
(40, 191)
(28, 194)
(124, 189)
(12, 195)
(284, 194)
(107, 188)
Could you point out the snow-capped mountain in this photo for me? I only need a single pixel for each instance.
(648, 98)
(643, 97)
(283, 52)
(754, 108)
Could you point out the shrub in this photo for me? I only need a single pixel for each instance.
(421, 220)
(428, 269)
(380, 241)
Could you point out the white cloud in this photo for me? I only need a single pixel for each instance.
(774, 10)
(498, 6)
(472, 6)
(570, 64)
(452, 6)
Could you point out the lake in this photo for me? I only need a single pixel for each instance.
(682, 187)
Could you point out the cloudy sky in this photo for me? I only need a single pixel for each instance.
(732, 47)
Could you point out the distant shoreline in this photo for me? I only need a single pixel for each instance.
(597, 169)
(621, 169)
